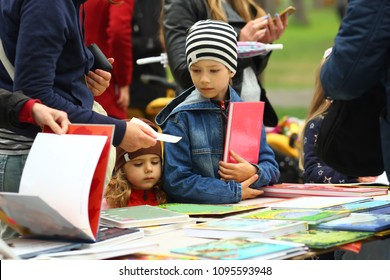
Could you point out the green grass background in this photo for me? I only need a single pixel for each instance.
(294, 67)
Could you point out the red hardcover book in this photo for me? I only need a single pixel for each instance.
(243, 132)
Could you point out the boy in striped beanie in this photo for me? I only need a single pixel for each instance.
(193, 168)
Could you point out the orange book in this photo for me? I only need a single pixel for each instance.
(61, 188)
(243, 132)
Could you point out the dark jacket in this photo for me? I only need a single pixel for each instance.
(146, 43)
(43, 40)
(360, 59)
(315, 170)
(178, 17)
(10, 105)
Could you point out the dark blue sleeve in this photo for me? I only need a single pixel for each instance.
(360, 53)
(315, 170)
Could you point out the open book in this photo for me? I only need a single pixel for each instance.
(243, 131)
(62, 185)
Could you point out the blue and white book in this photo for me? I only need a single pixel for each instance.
(359, 222)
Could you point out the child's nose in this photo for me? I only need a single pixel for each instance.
(148, 167)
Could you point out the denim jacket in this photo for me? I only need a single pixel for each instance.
(191, 165)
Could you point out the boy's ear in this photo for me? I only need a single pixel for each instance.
(231, 74)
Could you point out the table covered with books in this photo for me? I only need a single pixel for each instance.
(295, 227)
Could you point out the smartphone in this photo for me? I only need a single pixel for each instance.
(288, 11)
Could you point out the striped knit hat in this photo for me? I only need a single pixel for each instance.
(212, 40)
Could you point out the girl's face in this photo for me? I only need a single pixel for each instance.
(143, 172)
(211, 78)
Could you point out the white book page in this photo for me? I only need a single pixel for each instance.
(59, 169)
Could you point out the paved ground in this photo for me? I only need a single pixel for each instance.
(292, 98)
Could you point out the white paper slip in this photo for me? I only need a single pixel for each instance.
(160, 136)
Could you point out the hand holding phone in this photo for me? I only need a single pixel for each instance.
(288, 11)
(100, 60)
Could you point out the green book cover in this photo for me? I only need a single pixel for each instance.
(309, 216)
(138, 216)
(194, 209)
(324, 239)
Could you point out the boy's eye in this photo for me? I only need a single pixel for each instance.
(155, 162)
(195, 70)
(214, 70)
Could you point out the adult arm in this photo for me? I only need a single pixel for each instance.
(360, 52)
(10, 106)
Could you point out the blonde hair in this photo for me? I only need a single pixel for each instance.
(118, 191)
(247, 9)
(319, 105)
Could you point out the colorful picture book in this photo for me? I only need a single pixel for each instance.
(310, 216)
(140, 216)
(236, 227)
(243, 131)
(363, 206)
(239, 249)
(324, 239)
(314, 202)
(359, 222)
(297, 190)
(61, 188)
(193, 209)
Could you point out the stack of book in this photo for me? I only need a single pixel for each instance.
(141, 216)
(243, 248)
(296, 190)
(237, 227)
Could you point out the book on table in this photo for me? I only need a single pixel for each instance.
(325, 239)
(241, 248)
(100, 253)
(158, 229)
(363, 206)
(26, 247)
(237, 227)
(296, 190)
(140, 216)
(209, 210)
(314, 202)
(359, 222)
(309, 216)
(243, 131)
(62, 184)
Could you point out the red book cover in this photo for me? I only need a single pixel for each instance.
(97, 185)
(243, 132)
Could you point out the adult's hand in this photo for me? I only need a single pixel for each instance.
(45, 116)
(137, 137)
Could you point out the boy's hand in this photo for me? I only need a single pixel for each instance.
(246, 191)
(239, 171)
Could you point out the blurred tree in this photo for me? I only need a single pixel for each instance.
(300, 14)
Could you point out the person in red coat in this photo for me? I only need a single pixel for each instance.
(108, 26)
(136, 179)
